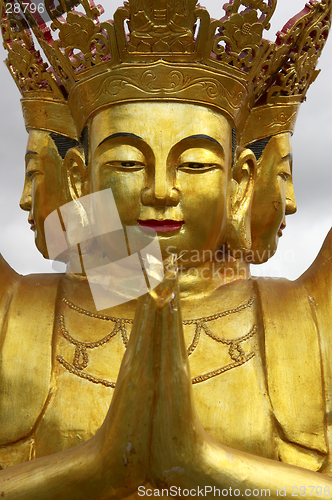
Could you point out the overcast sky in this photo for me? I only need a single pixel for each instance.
(305, 230)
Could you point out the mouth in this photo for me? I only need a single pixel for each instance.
(163, 226)
(282, 227)
(32, 224)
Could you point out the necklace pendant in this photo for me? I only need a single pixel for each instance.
(81, 357)
(236, 352)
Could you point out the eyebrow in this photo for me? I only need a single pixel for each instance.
(119, 134)
(31, 152)
(287, 156)
(202, 136)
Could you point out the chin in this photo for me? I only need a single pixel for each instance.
(41, 245)
(263, 251)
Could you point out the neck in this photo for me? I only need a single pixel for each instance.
(203, 278)
(206, 277)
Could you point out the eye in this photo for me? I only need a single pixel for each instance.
(128, 164)
(203, 167)
(284, 175)
(196, 165)
(31, 174)
(125, 165)
(199, 160)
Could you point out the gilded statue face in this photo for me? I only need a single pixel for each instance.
(273, 196)
(168, 165)
(43, 187)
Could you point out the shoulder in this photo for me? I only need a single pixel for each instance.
(8, 277)
(9, 280)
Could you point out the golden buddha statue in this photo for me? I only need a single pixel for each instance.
(206, 393)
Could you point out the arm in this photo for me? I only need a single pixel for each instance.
(115, 461)
(183, 454)
(316, 282)
(8, 280)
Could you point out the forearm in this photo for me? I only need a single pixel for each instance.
(224, 468)
(68, 474)
(75, 474)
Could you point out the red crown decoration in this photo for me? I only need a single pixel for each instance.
(299, 72)
(277, 109)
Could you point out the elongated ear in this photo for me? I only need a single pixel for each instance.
(244, 173)
(76, 172)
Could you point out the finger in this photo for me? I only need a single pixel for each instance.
(175, 422)
(126, 432)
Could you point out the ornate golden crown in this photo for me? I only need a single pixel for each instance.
(277, 109)
(171, 51)
(44, 105)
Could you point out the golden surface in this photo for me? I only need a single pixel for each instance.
(52, 116)
(269, 119)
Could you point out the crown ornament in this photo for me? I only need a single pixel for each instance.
(44, 105)
(163, 50)
(276, 111)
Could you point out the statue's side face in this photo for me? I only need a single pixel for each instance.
(166, 162)
(273, 196)
(42, 192)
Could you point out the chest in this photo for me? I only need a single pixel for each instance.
(228, 379)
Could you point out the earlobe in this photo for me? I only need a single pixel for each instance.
(244, 170)
(76, 173)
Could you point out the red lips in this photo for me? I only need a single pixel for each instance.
(32, 224)
(161, 225)
(282, 227)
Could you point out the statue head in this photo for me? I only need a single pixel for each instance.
(169, 167)
(45, 186)
(274, 196)
(268, 133)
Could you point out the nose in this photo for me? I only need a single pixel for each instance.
(161, 190)
(290, 198)
(25, 201)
